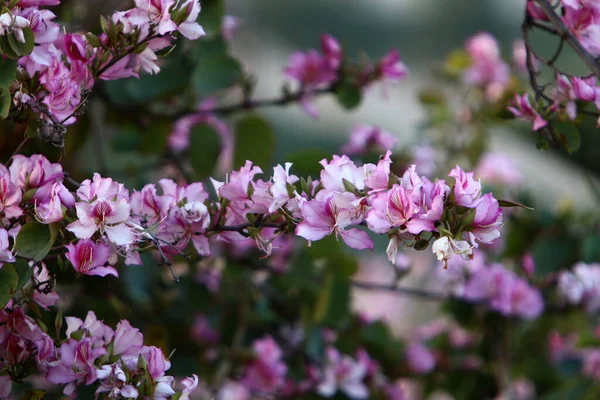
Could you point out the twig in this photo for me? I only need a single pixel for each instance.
(423, 294)
(564, 31)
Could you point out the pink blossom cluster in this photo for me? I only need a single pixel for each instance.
(108, 220)
(64, 65)
(494, 285)
(422, 359)
(581, 286)
(314, 70)
(116, 361)
(582, 19)
(487, 70)
(356, 377)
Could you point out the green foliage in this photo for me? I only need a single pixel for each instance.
(591, 249)
(214, 69)
(553, 253)
(348, 94)
(211, 16)
(35, 240)
(306, 162)
(8, 71)
(255, 141)
(8, 283)
(569, 135)
(205, 147)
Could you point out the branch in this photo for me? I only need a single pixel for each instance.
(564, 31)
(423, 294)
(246, 105)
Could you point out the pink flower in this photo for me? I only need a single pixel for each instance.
(487, 69)
(76, 362)
(157, 363)
(103, 206)
(128, 341)
(75, 46)
(495, 168)
(310, 69)
(189, 385)
(522, 109)
(90, 258)
(466, 189)
(390, 67)
(280, 187)
(332, 51)
(342, 168)
(365, 138)
(333, 214)
(585, 88)
(420, 359)
(45, 296)
(6, 253)
(229, 27)
(343, 373)
(581, 286)
(267, 372)
(488, 219)
(189, 28)
(378, 178)
(233, 390)
(114, 381)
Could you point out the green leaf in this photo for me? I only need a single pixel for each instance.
(306, 162)
(333, 302)
(8, 72)
(22, 49)
(211, 16)
(215, 74)
(569, 135)
(205, 147)
(8, 283)
(349, 95)
(342, 264)
(7, 49)
(508, 203)
(554, 253)
(24, 271)
(5, 102)
(173, 79)
(591, 249)
(254, 141)
(35, 240)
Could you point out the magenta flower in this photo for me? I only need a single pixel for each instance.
(332, 51)
(332, 214)
(103, 206)
(365, 138)
(522, 109)
(128, 340)
(420, 359)
(343, 373)
(310, 69)
(391, 68)
(466, 189)
(90, 258)
(267, 373)
(488, 219)
(498, 169)
(76, 362)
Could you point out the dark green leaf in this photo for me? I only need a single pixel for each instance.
(214, 74)
(22, 49)
(591, 249)
(254, 141)
(205, 147)
(552, 254)
(24, 271)
(5, 102)
(333, 303)
(35, 240)
(344, 265)
(8, 283)
(507, 203)
(211, 16)
(306, 162)
(7, 49)
(569, 135)
(8, 71)
(349, 95)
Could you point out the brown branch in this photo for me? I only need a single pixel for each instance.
(565, 33)
(423, 294)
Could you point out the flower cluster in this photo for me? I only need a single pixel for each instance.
(581, 286)
(109, 221)
(58, 67)
(116, 361)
